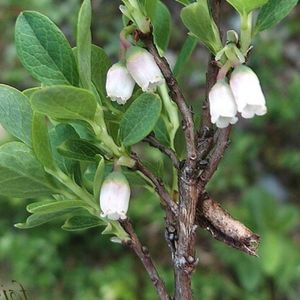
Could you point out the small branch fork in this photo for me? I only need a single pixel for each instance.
(194, 207)
(158, 184)
(151, 140)
(184, 260)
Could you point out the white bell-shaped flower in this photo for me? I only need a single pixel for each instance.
(222, 106)
(119, 83)
(114, 196)
(143, 68)
(247, 92)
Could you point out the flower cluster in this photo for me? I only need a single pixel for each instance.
(242, 94)
(140, 68)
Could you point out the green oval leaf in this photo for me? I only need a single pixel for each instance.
(184, 55)
(15, 113)
(44, 51)
(197, 18)
(55, 206)
(79, 150)
(100, 65)
(140, 118)
(65, 102)
(40, 141)
(161, 22)
(273, 12)
(42, 218)
(21, 175)
(82, 222)
(161, 132)
(57, 135)
(84, 43)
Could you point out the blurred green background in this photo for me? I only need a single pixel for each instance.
(258, 182)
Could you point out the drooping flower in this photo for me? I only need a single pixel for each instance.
(114, 196)
(222, 106)
(143, 68)
(119, 83)
(247, 92)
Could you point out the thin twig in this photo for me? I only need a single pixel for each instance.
(158, 184)
(177, 97)
(144, 256)
(150, 139)
(216, 155)
(206, 131)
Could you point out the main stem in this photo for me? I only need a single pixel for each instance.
(184, 262)
(184, 254)
(191, 187)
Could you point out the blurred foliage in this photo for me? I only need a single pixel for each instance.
(258, 182)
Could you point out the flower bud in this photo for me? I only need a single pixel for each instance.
(222, 106)
(247, 92)
(119, 83)
(114, 196)
(143, 68)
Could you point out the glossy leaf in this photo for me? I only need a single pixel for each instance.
(40, 141)
(44, 51)
(84, 43)
(79, 150)
(135, 179)
(184, 55)
(150, 7)
(100, 65)
(197, 18)
(15, 113)
(82, 222)
(244, 7)
(42, 218)
(161, 132)
(29, 92)
(58, 135)
(21, 175)
(273, 12)
(161, 22)
(55, 206)
(64, 102)
(140, 118)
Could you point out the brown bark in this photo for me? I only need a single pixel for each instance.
(194, 207)
(223, 227)
(143, 254)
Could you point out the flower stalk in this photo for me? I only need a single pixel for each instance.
(246, 32)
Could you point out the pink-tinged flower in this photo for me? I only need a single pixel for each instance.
(247, 92)
(119, 83)
(143, 68)
(114, 196)
(222, 106)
